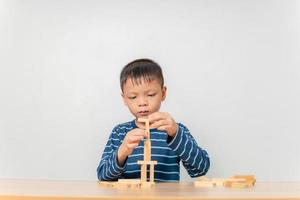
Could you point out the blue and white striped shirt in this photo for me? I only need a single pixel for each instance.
(166, 152)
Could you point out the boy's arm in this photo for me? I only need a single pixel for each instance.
(194, 158)
(108, 168)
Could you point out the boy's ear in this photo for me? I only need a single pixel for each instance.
(164, 93)
(123, 97)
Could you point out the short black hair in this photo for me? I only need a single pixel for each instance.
(141, 69)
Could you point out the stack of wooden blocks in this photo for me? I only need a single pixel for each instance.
(139, 183)
(147, 155)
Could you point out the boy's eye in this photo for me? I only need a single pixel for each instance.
(152, 95)
(132, 97)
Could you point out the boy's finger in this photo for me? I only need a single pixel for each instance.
(153, 116)
(132, 145)
(134, 131)
(159, 123)
(156, 118)
(163, 128)
(140, 132)
(135, 139)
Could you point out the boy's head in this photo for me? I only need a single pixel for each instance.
(141, 69)
(142, 85)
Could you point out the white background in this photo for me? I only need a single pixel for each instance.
(231, 68)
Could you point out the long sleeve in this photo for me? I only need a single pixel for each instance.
(194, 158)
(108, 168)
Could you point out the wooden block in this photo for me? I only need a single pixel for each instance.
(147, 150)
(240, 181)
(220, 181)
(107, 183)
(129, 183)
(143, 120)
(148, 130)
(151, 173)
(237, 181)
(129, 180)
(146, 162)
(125, 184)
(144, 173)
(250, 179)
(146, 121)
(147, 126)
(233, 184)
(204, 183)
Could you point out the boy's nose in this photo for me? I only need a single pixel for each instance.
(143, 102)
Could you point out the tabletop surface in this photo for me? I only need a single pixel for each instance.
(42, 189)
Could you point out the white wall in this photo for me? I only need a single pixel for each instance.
(231, 67)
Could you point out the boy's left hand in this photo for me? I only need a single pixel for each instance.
(164, 122)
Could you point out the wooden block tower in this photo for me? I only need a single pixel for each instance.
(139, 183)
(147, 155)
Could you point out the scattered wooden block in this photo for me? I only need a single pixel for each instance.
(237, 181)
(241, 181)
(127, 184)
(250, 179)
(107, 183)
(220, 181)
(234, 184)
(129, 181)
(204, 183)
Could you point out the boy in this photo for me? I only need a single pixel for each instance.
(143, 90)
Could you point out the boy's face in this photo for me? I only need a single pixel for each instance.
(143, 99)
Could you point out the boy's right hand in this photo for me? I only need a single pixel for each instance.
(131, 140)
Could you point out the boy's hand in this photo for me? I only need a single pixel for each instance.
(131, 140)
(164, 122)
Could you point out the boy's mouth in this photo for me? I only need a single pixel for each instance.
(144, 113)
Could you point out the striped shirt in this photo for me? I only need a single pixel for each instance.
(168, 153)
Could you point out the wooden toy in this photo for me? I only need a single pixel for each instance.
(138, 183)
(249, 181)
(147, 155)
(204, 181)
(123, 183)
(237, 181)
